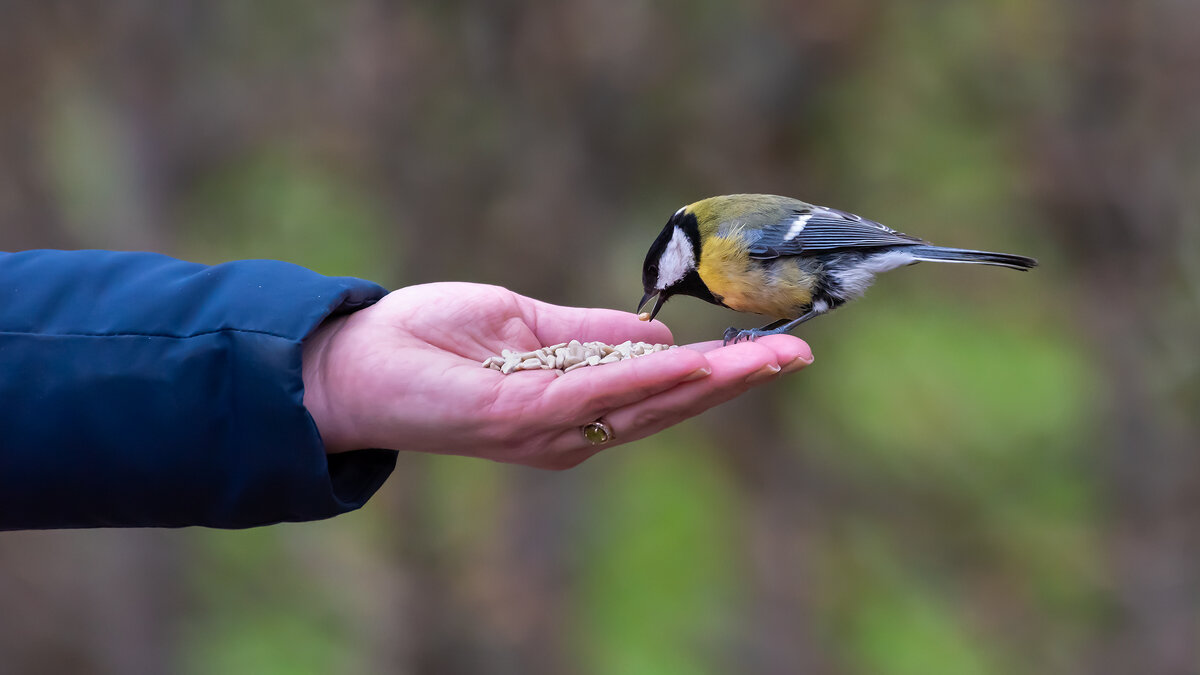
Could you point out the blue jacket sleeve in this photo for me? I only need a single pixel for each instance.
(140, 390)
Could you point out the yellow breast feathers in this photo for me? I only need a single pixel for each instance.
(776, 288)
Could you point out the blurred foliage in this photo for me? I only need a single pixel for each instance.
(271, 623)
(658, 579)
(278, 205)
(983, 472)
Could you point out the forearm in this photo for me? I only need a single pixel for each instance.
(141, 390)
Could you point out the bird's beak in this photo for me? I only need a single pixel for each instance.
(657, 305)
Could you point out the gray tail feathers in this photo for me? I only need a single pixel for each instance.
(962, 255)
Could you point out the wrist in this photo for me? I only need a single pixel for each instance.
(320, 388)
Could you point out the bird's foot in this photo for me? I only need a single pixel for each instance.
(736, 335)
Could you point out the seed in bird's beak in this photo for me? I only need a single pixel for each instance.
(644, 316)
(645, 299)
(657, 305)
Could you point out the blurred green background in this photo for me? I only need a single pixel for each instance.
(984, 472)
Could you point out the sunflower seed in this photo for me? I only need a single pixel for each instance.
(567, 356)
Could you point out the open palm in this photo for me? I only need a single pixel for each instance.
(405, 374)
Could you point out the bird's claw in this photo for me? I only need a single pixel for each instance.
(736, 335)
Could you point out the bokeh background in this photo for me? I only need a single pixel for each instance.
(984, 472)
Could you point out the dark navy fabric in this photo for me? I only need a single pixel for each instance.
(140, 390)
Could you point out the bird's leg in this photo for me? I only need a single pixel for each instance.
(736, 334)
(733, 335)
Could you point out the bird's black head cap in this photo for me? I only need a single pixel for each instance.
(670, 265)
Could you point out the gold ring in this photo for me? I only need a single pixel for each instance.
(598, 432)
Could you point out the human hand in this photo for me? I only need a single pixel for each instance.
(405, 374)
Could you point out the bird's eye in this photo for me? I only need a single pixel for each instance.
(652, 270)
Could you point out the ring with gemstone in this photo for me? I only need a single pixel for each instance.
(598, 432)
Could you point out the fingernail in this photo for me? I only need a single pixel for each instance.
(763, 374)
(796, 364)
(698, 374)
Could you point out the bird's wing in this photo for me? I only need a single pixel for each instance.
(819, 228)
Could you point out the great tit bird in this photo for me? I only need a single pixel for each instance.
(783, 258)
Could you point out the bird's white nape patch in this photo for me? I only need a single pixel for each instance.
(797, 226)
(677, 259)
(681, 210)
(855, 279)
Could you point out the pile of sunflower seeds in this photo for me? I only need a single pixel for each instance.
(567, 356)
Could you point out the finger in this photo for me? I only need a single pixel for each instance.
(791, 353)
(582, 395)
(786, 347)
(704, 347)
(553, 324)
(735, 370)
(732, 369)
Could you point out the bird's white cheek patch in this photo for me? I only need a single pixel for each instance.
(797, 226)
(677, 260)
